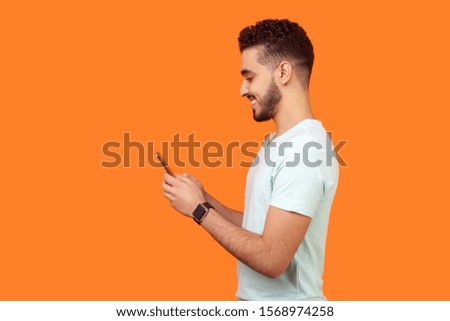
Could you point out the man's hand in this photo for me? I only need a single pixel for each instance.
(195, 180)
(184, 192)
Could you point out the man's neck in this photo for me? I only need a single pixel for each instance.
(290, 113)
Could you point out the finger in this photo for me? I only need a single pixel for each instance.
(185, 175)
(167, 188)
(170, 197)
(169, 179)
(192, 178)
(186, 180)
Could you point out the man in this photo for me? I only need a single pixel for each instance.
(279, 239)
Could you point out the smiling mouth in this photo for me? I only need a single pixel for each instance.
(252, 99)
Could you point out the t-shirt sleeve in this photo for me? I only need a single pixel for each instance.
(297, 188)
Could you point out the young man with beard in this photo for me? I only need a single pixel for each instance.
(279, 239)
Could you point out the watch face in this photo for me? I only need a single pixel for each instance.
(199, 212)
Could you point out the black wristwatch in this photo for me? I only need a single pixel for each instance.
(200, 212)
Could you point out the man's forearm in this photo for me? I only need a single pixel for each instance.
(246, 246)
(231, 215)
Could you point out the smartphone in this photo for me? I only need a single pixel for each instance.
(164, 164)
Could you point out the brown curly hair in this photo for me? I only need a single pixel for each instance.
(280, 40)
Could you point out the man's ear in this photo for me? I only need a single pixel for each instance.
(285, 72)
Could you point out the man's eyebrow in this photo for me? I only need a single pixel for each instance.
(245, 72)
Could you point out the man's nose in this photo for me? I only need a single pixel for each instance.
(244, 89)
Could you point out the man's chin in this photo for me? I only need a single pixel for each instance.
(260, 118)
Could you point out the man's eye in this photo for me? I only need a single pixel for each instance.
(249, 78)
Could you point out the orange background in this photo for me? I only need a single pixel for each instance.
(78, 74)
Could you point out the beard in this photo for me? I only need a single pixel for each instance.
(268, 103)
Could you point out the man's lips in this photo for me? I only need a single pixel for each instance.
(252, 99)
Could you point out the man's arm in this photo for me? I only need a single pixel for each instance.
(231, 215)
(269, 253)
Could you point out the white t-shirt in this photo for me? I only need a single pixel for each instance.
(295, 172)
